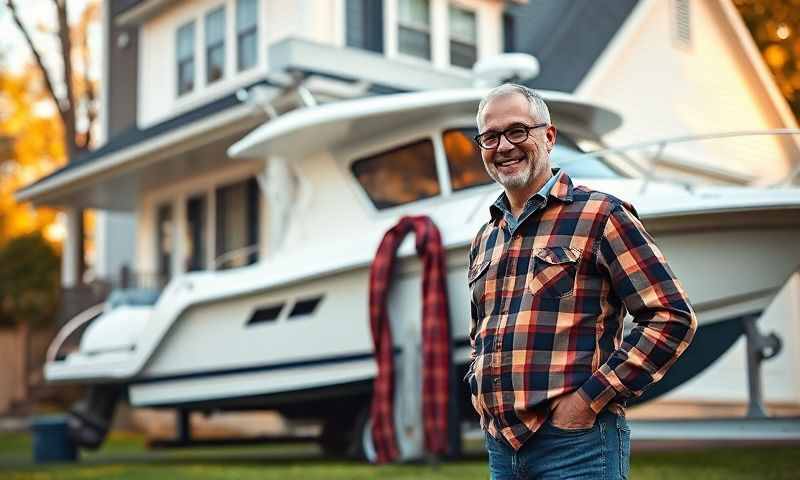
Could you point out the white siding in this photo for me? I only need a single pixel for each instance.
(158, 99)
(489, 18)
(320, 21)
(663, 88)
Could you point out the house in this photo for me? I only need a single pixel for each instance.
(169, 200)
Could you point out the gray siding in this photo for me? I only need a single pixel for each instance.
(122, 78)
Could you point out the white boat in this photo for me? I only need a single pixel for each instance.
(291, 332)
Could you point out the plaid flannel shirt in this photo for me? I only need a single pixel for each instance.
(548, 303)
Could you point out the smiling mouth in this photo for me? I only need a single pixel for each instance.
(508, 163)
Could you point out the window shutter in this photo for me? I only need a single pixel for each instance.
(508, 33)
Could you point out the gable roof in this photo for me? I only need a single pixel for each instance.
(135, 135)
(566, 37)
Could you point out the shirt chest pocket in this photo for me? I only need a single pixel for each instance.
(553, 272)
(476, 279)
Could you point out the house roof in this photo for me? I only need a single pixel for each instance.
(136, 135)
(566, 37)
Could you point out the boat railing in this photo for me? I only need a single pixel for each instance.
(66, 340)
(237, 257)
(719, 158)
(139, 280)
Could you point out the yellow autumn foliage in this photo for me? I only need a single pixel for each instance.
(31, 146)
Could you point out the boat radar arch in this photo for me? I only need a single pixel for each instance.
(508, 67)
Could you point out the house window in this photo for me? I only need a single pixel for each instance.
(399, 176)
(246, 33)
(237, 224)
(215, 45)
(464, 159)
(463, 37)
(364, 24)
(414, 28)
(165, 241)
(185, 58)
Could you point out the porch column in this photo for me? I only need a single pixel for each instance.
(72, 262)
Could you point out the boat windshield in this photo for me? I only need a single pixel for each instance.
(407, 173)
(467, 171)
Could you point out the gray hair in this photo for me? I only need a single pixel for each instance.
(538, 108)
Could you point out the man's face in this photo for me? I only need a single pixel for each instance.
(516, 166)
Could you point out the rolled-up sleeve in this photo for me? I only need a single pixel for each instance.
(664, 322)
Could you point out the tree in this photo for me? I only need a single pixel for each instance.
(28, 280)
(775, 26)
(66, 82)
(76, 102)
(29, 148)
(47, 114)
(29, 293)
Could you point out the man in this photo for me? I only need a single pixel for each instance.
(552, 275)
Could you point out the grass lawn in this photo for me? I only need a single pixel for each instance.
(125, 457)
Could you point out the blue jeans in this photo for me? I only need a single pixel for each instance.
(601, 452)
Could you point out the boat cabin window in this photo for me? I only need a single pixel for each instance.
(398, 176)
(464, 159)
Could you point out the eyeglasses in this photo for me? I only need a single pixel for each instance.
(516, 135)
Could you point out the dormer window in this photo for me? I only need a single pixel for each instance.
(215, 45)
(246, 33)
(414, 28)
(463, 37)
(185, 58)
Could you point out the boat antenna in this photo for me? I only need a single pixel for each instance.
(279, 85)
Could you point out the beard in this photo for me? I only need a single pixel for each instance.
(534, 169)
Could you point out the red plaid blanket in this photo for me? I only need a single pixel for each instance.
(435, 338)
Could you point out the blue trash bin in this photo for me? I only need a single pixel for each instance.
(51, 440)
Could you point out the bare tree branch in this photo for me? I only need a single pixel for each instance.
(39, 62)
(89, 86)
(66, 54)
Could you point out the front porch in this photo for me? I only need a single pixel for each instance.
(190, 206)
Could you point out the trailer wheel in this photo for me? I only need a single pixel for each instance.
(335, 437)
(349, 435)
(363, 446)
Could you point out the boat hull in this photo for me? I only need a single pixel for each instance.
(213, 354)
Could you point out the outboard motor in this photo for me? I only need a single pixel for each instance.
(89, 419)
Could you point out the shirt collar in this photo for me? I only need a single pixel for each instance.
(559, 186)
